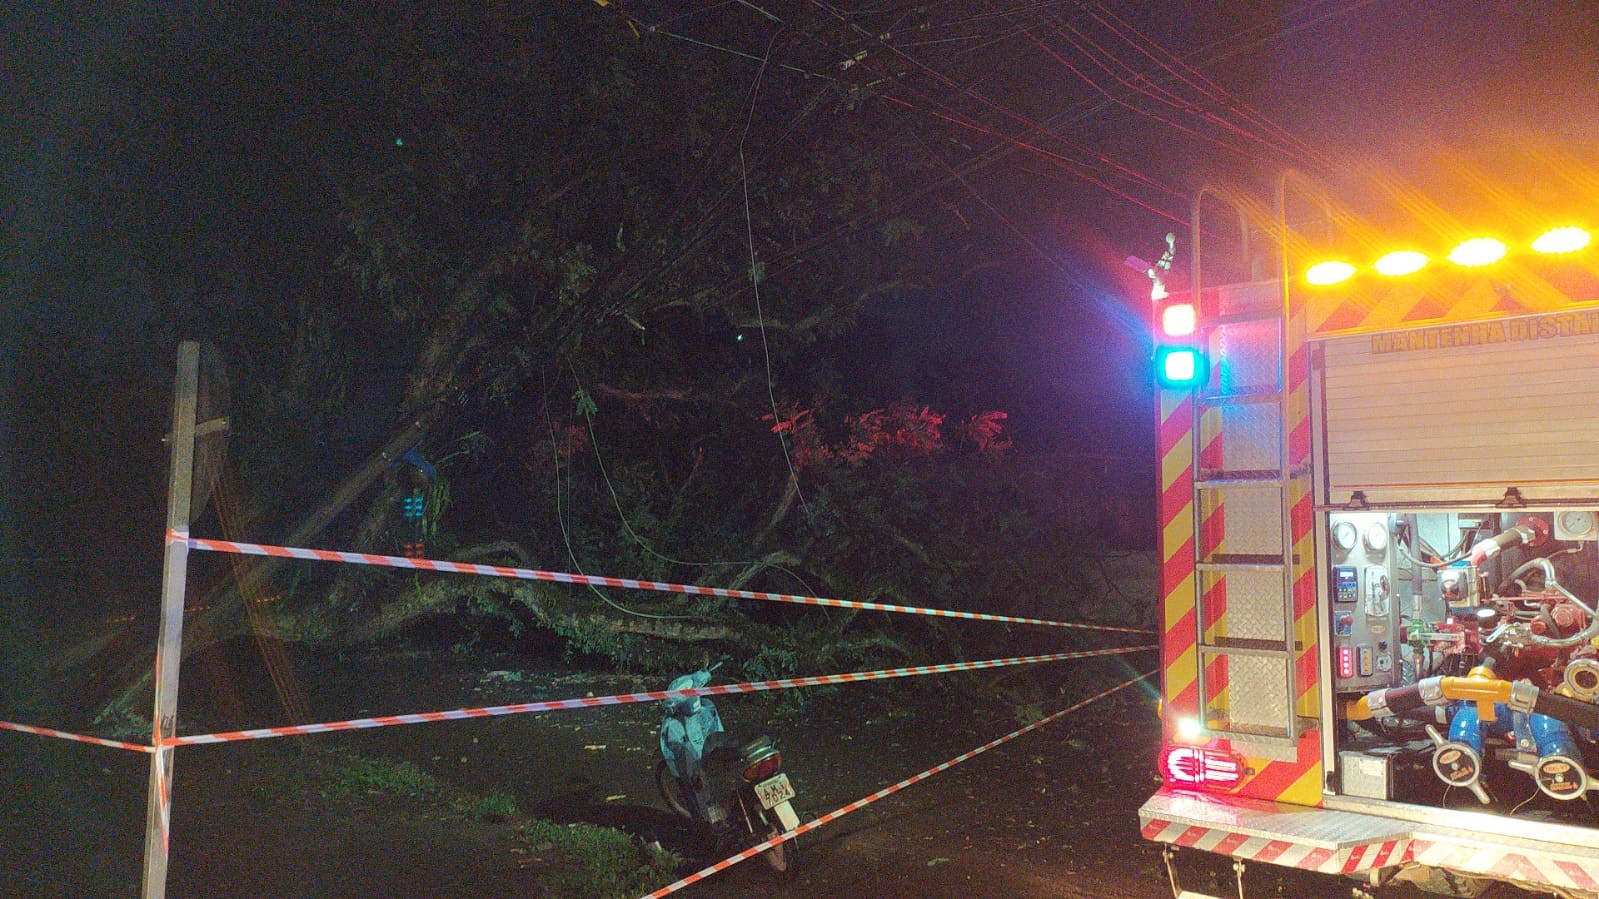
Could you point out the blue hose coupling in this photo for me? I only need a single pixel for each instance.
(1559, 773)
(1466, 727)
(1458, 760)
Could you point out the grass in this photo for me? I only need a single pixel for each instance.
(582, 861)
(359, 775)
(498, 806)
(578, 861)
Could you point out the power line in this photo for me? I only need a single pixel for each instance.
(755, 286)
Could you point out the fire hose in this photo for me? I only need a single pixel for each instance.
(1543, 718)
(1480, 687)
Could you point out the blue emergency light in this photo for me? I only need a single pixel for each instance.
(1180, 367)
(1180, 364)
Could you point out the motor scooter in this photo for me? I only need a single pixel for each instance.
(737, 789)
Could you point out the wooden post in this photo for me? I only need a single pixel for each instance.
(169, 642)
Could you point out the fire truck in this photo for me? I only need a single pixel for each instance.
(1379, 536)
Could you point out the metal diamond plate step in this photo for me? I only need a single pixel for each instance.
(1318, 827)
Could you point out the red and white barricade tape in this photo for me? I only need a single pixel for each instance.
(563, 577)
(859, 804)
(581, 703)
(625, 698)
(63, 735)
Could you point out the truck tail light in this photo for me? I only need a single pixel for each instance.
(1195, 766)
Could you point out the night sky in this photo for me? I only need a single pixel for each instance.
(1080, 130)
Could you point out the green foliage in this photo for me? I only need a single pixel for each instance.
(592, 637)
(490, 207)
(774, 663)
(497, 805)
(493, 604)
(359, 775)
(582, 861)
(584, 404)
(809, 648)
(435, 502)
(575, 273)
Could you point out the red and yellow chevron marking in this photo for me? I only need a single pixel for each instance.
(1299, 781)
(1301, 518)
(1179, 659)
(1298, 778)
(1212, 540)
(1180, 629)
(1444, 296)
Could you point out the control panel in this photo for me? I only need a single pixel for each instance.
(1364, 590)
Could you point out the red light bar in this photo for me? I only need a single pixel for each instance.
(1198, 767)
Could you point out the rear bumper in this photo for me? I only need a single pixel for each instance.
(1335, 841)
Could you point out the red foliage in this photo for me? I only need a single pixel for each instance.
(805, 442)
(903, 429)
(985, 429)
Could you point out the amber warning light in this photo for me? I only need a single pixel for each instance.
(1476, 252)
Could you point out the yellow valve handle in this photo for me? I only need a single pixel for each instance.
(1480, 687)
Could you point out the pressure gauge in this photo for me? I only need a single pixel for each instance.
(1576, 524)
(1376, 538)
(1345, 535)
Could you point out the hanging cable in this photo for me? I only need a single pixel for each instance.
(755, 284)
(616, 501)
(566, 534)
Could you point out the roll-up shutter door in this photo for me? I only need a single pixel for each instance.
(1464, 411)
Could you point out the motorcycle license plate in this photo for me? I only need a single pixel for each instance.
(774, 790)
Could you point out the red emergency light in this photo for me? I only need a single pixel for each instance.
(1346, 662)
(1179, 364)
(1197, 766)
(1178, 320)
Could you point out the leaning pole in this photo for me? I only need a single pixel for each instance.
(169, 640)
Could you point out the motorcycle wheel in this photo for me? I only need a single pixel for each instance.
(782, 856)
(666, 784)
